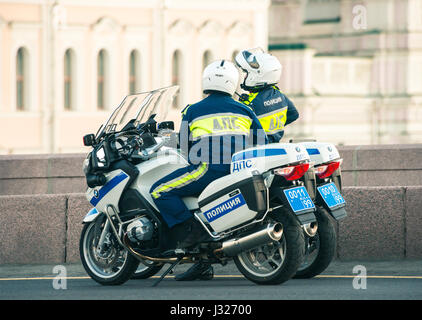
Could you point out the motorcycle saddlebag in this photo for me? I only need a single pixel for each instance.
(232, 200)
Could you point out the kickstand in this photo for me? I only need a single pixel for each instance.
(168, 271)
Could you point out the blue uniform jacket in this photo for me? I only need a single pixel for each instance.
(273, 109)
(213, 129)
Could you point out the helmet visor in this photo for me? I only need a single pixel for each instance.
(250, 59)
(256, 50)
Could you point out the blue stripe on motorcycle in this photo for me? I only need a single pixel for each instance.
(312, 151)
(107, 187)
(258, 153)
(92, 211)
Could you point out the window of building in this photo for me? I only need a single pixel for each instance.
(322, 11)
(134, 74)
(22, 86)
(206, 59)
(176, 75)
(102, 62)
(69, 77)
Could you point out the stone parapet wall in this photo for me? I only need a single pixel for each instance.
(371, 165)
(383, 223)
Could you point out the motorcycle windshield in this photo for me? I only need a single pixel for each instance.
(140, 107)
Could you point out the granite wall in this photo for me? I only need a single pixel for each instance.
(383, 223)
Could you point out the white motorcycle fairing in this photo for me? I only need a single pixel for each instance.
(321, 152)
(267, 157)
(91, 215)
(108, 194)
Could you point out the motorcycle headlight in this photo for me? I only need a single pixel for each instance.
(85, 165)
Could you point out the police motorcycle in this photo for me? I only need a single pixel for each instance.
(254, 216)
(324, 186)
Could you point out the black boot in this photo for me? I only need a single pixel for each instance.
(185, 234)
(200, 270)
(195, 234)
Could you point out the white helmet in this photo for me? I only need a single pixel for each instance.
(220, 75)
(261, 69)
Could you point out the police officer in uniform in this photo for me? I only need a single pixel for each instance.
(273, 109)
(211, 131)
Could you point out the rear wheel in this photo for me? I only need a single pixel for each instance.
(109, 265)
(278, 261)
(320, 249)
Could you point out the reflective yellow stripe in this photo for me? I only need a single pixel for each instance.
(181, 181)
(277, 88)
(250, 98)
(218, 124)
(274, 121)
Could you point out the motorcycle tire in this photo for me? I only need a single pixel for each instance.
(324, 242)
(145, 272)
(120, 267)
(277, 262)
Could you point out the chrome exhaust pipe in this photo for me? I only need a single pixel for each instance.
(141, 257)
(310, 228)
(272, 232)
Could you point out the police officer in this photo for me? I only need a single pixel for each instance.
(211, 131)
(273, 108)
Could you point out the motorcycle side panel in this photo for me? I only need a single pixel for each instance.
(108, 194)
(321, 152)
(157, 168)
(225, 204)
(227, 212)
(267, 157)
(91, 215)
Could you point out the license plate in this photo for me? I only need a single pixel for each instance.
(299, 199)
(331, 195)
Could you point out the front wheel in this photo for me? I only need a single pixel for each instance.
(278, 261)
(146, 270)
(319, 249)
(109, 265)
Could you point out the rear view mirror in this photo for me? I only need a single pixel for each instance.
(166, 125)
(89, 140)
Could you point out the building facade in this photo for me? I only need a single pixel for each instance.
(353, 67)
(65, 64)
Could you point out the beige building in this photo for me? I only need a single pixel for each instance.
(65, 64)
(354, 68)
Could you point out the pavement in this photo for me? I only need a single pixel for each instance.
(385, 280)
(391, 268)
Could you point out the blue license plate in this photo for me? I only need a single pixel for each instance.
(299, 199)
(331, 195)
